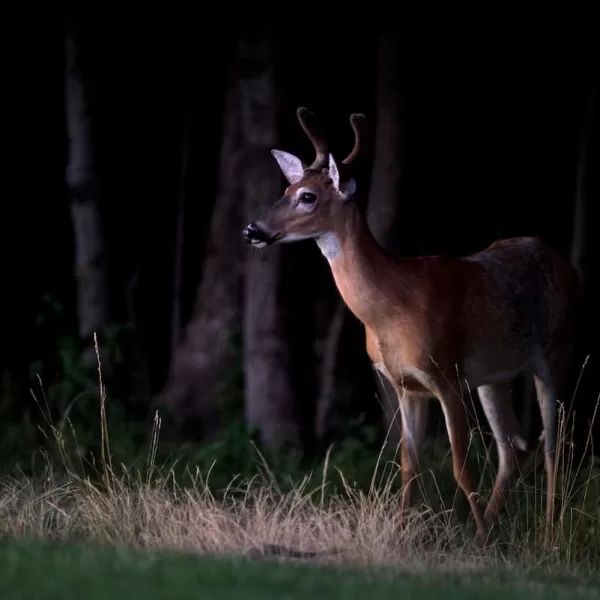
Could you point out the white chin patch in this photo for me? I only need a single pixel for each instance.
(258, 244)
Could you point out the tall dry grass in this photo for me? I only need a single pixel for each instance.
(152, 510)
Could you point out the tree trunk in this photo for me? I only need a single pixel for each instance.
(91, 269)
(329, 378)
(585, 259)
(269, 401)
(578, 243)
(207, 357)
(179, 232)
(384, 196)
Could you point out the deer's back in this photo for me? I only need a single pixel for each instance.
(523, 302)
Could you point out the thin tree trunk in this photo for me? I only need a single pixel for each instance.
(578, 244)
(383, 208)
(584, 258)
(207, 356)
(179, 231)
(328, 380)
(269, 400)
(91, 270)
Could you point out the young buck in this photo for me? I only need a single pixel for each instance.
(433, 323)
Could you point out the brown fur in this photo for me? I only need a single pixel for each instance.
(436, 326)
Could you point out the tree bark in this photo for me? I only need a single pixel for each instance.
(384, 196)
(179, 232)
(269, 400)
(578, 244)
(91, 268)
(585, 259)
(207, 356)
(329, 378)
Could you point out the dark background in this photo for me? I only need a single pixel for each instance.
(494, 134)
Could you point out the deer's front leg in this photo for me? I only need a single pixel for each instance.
(414, 410)
(457, 425)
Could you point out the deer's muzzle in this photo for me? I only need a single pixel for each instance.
(257, 236)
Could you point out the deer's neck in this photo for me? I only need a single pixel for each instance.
(361, 267)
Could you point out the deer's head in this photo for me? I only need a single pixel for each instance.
(314, 200)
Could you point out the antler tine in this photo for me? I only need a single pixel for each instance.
(359, 124)
(311, 127)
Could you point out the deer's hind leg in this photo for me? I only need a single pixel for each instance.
(510, 441)
(548, 376)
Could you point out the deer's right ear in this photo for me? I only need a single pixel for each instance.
(291, 166)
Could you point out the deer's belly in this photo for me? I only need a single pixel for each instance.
(481, 368)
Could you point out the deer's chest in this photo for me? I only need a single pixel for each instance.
(399, 362)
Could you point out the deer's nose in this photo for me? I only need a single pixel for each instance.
(253, 234)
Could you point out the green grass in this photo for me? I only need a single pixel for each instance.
(45, 571)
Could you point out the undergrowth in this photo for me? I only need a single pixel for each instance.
(177, 503)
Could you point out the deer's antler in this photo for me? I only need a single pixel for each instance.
(359, 124)
(312, 129)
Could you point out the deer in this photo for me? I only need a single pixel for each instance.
(434, 323)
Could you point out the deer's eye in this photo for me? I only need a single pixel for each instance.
(308, 198)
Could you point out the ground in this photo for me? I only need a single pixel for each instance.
(50, 570)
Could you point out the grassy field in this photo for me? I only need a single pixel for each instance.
(67, 535)
(112, 532)
(52, 570)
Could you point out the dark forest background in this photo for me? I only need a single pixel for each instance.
(137, 153)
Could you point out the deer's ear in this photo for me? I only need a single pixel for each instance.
(345, 188)
(291, 166)
(334, 173)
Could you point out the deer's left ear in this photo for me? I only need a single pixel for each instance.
(291, 166)
(345, 188)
